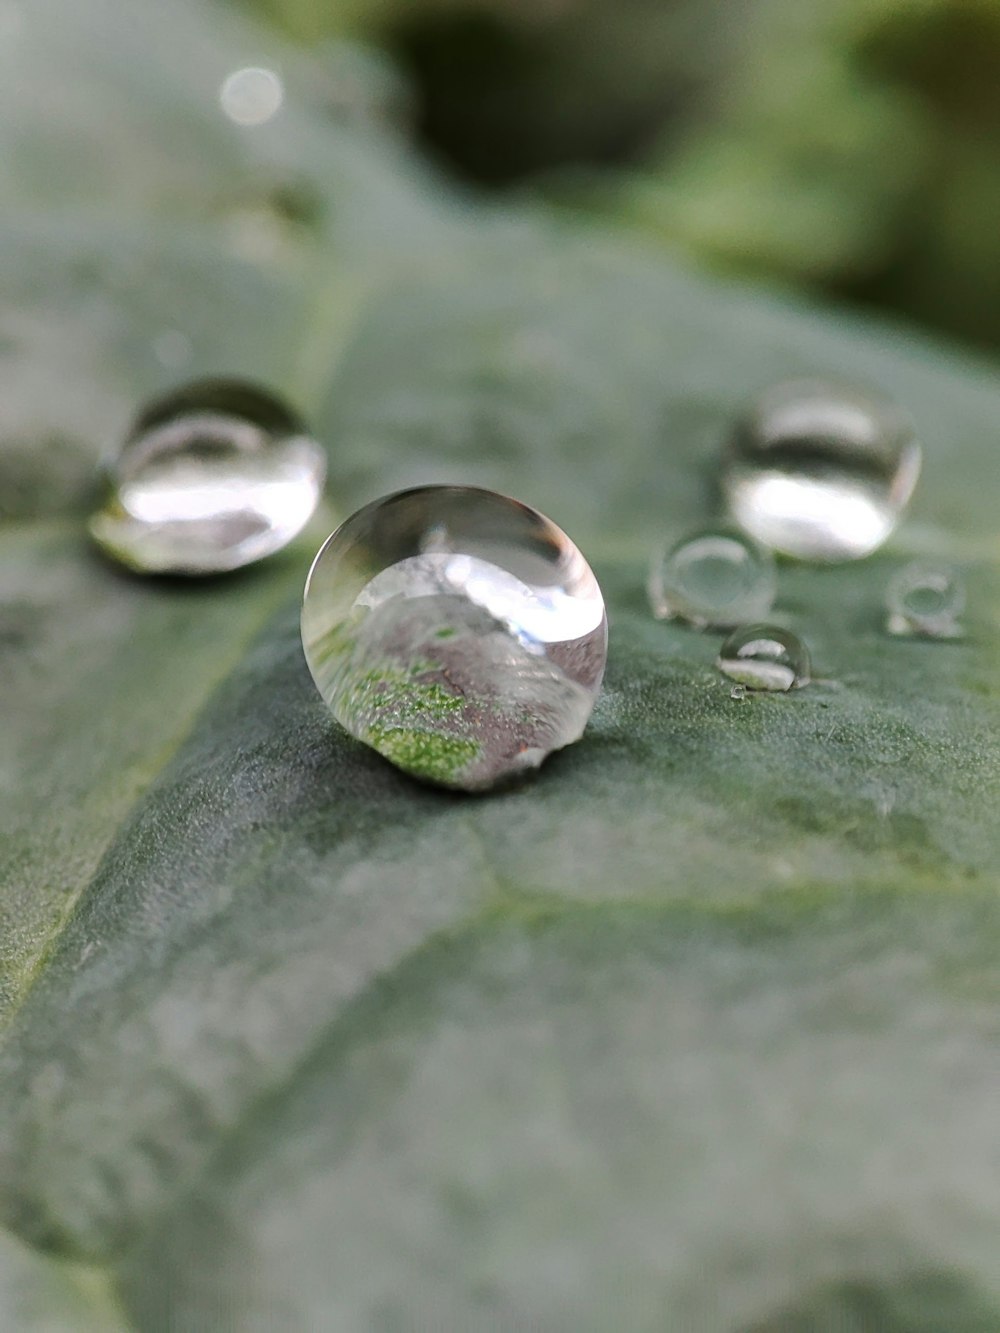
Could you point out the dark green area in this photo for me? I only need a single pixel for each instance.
(426, 754)
(848, 145)
(698, 1028)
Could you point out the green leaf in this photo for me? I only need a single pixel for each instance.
(42, 1292)
(697, 1029)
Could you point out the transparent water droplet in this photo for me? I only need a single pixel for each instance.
(821, 471)
(212, 477)
(457, 632)
(925, 600)
(764, 657)
(252, 96)
(738, 692)
(173, 349)
(716, 577)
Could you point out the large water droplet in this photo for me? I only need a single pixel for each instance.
(925, 600)
(712, 578)
(821, 471)
(459, 633)
(212, 477)
(764, 657)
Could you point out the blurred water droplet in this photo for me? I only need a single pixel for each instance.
(212, 477)
(173, 349)
(252, 96)
(821, 471)
(925, 600)
(716, 577)
(738, 692)
(460, 634)
(764, 657)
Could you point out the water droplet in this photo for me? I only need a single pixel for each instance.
(925, 600)
(821, 471)
(764, 657)
(212, 477)
(457, 632)
(738, 692)
(252, 96)
(173, 349)
(712, 578)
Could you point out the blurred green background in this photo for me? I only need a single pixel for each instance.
(851, 146)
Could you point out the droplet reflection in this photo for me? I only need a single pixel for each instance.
(215, 476)
(821, 471)
(457, 632)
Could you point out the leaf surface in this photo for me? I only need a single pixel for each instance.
(697, 1029)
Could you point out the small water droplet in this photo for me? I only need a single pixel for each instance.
(173, 349)
(212, 477)
(716, 577)
(926, 601)
(460, 634)
(738, 692)
(764, 657)
(821, 471)
(252, 96)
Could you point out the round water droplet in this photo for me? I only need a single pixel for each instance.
(457, 632)
(172, 348)
(252, 96)
(763, 657)
(821, 471)
(925, 600)
(212, 477)
(716, 577)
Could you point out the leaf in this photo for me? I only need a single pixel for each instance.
(696, 1030)
(39, 1292)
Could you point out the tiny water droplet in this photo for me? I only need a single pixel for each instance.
(214, 476)
(738, 692)
(252, 96)
(716, 577)
(173, 349)
(925, 601)
(764, 657)
(821, 471)
(457, 632)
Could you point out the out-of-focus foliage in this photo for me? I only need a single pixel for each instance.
(512, 87)
(847, 144)
(857, 150)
